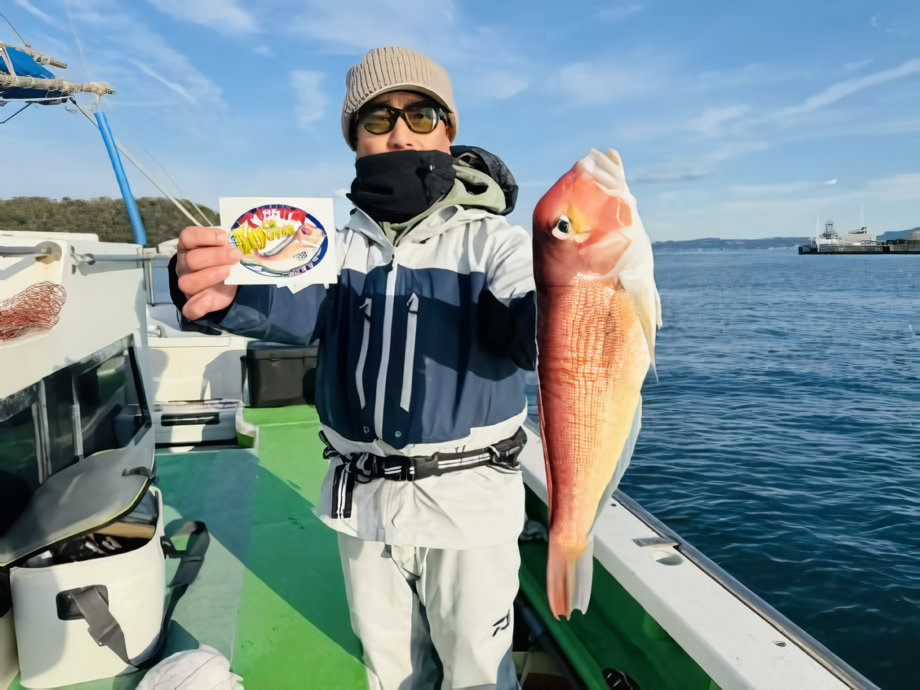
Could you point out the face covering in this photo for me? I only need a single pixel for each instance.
(397, 186)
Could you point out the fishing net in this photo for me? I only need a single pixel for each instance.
(36, 309)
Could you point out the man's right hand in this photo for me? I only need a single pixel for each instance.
(204, 262)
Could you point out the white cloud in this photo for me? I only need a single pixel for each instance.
(500, 85)
(264, 51)
(905, 187)
(710, 122)
(115, 35)
(221, 15)
(782, 188)
(31, 9)
(618, 14)
(834, 181)
(310, 100)
(850, 66)
(851, 86)
(168, 84)
(585, 83)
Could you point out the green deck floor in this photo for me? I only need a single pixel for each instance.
(270, 595)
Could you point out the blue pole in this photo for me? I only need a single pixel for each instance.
(139, 235)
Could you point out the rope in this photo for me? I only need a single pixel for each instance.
(3, 122)
(57, 84)
(140, 167)
(14, 30)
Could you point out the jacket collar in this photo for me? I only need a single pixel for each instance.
(437, 223)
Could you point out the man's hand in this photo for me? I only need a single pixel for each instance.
(204, 262)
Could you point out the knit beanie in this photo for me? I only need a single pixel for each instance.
(395, 69)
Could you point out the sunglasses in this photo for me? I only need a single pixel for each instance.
(421, 118)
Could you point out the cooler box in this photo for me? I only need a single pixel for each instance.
(279, 375)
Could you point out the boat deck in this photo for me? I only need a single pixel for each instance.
(270, 595)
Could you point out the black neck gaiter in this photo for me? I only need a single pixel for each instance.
(396, 186)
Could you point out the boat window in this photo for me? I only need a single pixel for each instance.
(110, 410)
(58, 399)
(18, 457)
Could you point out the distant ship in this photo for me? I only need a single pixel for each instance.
(859, 241)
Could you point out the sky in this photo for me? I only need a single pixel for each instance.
(734, 119)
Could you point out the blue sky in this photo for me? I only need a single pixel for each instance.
(734, 119)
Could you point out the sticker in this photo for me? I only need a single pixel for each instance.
(285, 241)
(279, 241)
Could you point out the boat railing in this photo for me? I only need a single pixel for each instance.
(821, 654)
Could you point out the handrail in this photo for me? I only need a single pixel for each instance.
(43, 251)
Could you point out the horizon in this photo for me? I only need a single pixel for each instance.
(721, 134)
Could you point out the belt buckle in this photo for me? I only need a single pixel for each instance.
(407, 472)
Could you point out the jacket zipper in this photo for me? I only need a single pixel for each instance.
(365, 341)
(385, 355)
(409, 361)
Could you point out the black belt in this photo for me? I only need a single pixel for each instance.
(364, 467)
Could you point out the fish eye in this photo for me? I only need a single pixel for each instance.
(563, 228)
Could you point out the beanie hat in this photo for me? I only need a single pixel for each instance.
(395, 69)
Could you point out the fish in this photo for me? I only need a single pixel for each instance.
(597, 313)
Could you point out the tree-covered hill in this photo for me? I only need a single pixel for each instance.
(108, 218)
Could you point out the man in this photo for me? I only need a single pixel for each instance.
(422, 343)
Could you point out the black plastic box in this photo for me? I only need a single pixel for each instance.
(280, 375)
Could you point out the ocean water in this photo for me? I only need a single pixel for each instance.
(783, 438)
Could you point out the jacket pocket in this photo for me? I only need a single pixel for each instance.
(362, 357)
(408, 364)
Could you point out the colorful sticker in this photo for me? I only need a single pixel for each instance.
(279, 241)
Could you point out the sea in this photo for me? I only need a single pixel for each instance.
(782, 438)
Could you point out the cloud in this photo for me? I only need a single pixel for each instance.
(221, 15)
(310, 100)
(585, 83)
(905, 187)
(851, 86)
(618, 14)
(676, 175)
(169, 84)
(500, 85)
(31, 9)
(710, 122)
(850, 66)
(834, 181)
(169, 78)
(874, 21)
(264, 51)
(783, 188)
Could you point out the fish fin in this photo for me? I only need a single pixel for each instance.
(639, 283)
(580, 595)
(622, 464)
(549, 472)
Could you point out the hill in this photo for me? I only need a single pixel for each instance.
(714, 243)
(106, 217)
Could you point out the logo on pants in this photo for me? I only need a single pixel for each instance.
(502, 624)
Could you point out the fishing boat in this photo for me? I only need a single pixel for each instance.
(270, 595)
(99, 376)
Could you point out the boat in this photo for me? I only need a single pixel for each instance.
(270, 594)
(858, 241)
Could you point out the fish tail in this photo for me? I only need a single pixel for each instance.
(569, 575)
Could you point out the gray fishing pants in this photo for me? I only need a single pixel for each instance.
(414, 608)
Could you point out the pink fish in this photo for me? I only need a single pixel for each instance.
(597, 312)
